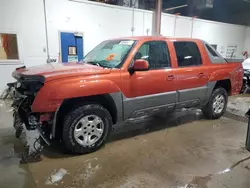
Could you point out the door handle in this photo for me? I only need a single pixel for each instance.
(170, 77)
(201, 75)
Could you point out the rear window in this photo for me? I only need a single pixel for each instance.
(211, 51)
(187, 54)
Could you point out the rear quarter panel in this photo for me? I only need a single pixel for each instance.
(222, 71)
(232, 71)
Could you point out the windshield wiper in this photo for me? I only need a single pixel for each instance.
(96, 63)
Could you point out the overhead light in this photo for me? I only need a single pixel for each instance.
(247, 1)
(173, 8)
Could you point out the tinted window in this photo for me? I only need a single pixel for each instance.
(187, 53)
(211, 51)
(156, 53)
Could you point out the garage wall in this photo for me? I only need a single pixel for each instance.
(247, 41)
(24, 18)
(77, 15)
(167, 24)
(98, 22)
(221, 34)
(183, 26)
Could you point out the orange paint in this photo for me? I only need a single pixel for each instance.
(72, 80)
(110, 57)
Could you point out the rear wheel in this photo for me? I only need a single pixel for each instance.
(86, 128)
(217, 104)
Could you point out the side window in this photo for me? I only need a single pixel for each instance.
(211, 51)
(188, 54)
(156, 53)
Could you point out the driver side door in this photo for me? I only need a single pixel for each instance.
(154, 90)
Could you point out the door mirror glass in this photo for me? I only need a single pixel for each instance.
(140, 65)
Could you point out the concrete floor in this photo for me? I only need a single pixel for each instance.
(181, 151)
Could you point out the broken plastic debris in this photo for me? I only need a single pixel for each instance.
(224, 171)
(216, 126)
(185, 186)
(10, 110)
(56, 176)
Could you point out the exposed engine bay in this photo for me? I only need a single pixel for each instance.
(246, 81)
(24, 92)
(246, 77)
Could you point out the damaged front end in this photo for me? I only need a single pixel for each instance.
(246, 81)
(24, 92)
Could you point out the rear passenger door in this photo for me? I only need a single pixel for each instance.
(191, 74)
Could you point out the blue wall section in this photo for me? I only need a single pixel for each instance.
(69, 39)
(79, 44)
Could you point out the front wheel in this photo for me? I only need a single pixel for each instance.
(86, 128)
(216, 105)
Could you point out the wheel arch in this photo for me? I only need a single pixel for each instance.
(226, 84)
(108, 101)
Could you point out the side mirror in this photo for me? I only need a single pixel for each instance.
(139, 65)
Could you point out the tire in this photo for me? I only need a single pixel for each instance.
(208, 111)
(76, 144)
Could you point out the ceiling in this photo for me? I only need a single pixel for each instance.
(229, 11)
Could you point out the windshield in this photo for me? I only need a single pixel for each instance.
(109, 53)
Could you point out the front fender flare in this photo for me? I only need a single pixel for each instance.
(50, 97)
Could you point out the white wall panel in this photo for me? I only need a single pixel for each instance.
(167, 25)
(183, 26)
(220, 34)
(148, 22)
(138, 23)
(247, 41)
(98, 22)
(24, 18)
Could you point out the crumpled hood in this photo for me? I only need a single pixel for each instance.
(60, 70)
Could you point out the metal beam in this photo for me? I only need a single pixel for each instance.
(158, 10)
(173, 8)
(46, 31)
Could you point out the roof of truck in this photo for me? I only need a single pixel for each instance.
(157, 37)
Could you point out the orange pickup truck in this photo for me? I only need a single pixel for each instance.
(123, 78)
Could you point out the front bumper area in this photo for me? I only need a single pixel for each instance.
(44, 136)
(22, 113)
(24, 118)
(246, 81)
